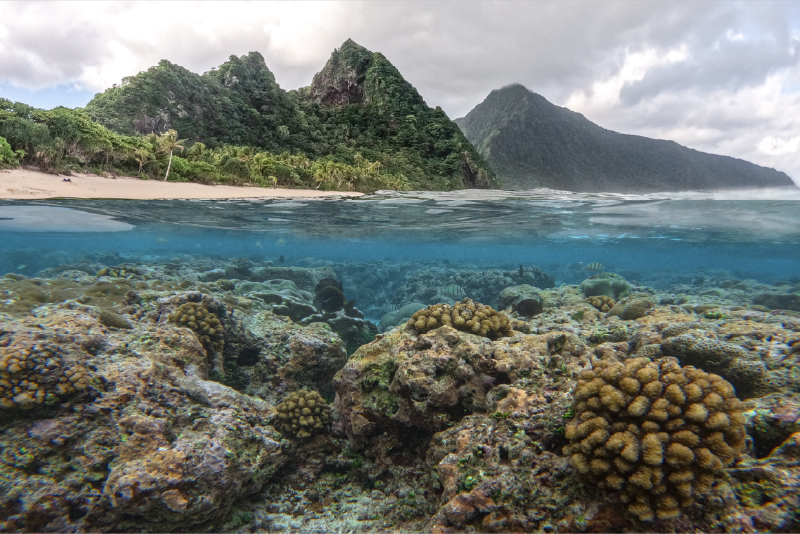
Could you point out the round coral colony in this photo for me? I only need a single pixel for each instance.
(655, 432)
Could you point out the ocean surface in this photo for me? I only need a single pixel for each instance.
(750, 234)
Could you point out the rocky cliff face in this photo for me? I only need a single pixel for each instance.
(340, 81)
(532, 143)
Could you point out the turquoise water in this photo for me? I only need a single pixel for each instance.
(654, 239)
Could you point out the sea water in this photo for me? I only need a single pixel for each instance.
(655, 239)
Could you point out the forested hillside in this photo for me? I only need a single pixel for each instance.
(532, 143)
(359, 126)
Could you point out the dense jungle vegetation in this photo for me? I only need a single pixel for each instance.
(359, 126)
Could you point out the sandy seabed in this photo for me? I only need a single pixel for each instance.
(27, 184)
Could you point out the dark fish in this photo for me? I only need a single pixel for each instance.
(521, 270)
(281, 260)
(454, 291)
(594, 267)
(326, 282)
(528, 307)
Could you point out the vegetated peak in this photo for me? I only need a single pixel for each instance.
(530, 142)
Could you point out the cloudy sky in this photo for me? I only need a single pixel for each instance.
(722, 77)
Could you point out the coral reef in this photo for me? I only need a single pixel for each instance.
(152, 446)
(112, 319)
(523, 299)
(602, 303)
(204, 323)
(303, 413)
(737, 365)
(467, 316)
(608, 284)
(631, 308)
(34, 373)
(396, 317)
(657, 433)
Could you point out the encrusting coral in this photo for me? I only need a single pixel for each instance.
(33, 374)
(204, 323)
(303, 413)
(656, 432)
(467, 316)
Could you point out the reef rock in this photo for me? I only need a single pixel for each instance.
(149, 444)
(608, 284)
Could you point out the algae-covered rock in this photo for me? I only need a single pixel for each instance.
(394, 318)
(284, 296)
(608, 284)
(631, 308)
(149, 445)
(777, 300)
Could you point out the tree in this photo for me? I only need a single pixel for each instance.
(142, 157)
(169, 141)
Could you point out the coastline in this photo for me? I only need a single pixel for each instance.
(24, 184)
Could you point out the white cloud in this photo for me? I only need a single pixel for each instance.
(716, 76)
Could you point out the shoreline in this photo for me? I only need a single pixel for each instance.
(24, 184)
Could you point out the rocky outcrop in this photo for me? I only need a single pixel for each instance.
(150, 444)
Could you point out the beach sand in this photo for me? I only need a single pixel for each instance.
(26, 184)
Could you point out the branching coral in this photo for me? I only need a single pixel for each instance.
(303, 413)
(35, 373)
(467, 316)
(655, 432)
(204, 323)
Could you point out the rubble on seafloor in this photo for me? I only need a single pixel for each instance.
(165, 424)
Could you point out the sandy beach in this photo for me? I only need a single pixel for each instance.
(27, 184)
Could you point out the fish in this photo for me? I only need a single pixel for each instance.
(258, 244)
(20, 267)
(521, 270)
(280, 242)
(281, 259)
(392, 307)
(162, 240)
(453, 291)
(594, 266)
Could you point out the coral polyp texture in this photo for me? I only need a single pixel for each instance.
(303, 413)
(602, 302)
(655, 432)
(467, 316)
(35, 374)
(204, 323)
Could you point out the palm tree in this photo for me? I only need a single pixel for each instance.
(142, 157)
(169, 141)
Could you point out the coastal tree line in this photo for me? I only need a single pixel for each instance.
(62, 140)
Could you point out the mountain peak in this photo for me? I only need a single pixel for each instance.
(531, 142)
(340, 81)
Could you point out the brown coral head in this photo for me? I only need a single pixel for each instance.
(654, 432)
(466, 316)
(302, 414)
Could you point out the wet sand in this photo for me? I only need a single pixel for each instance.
(27, 184)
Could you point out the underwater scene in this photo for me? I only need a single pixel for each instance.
(465, 361)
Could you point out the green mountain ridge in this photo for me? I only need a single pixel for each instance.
(357, 108)
(530, 142)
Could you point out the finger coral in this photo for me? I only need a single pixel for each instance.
(654, 432)
(34, 374)
(204, 323)
(303, 413)
(467, 316)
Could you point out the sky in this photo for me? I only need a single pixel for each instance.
(720, 77)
